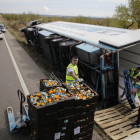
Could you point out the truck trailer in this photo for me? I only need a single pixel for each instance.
(103, 52)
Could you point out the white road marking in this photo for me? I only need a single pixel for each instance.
(26, 92)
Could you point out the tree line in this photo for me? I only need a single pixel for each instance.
(125, 16)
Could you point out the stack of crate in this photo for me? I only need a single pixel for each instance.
(43, 86)
(43, 120)
(52, 120)
(65, 118)
(84, 117)
(65, 115)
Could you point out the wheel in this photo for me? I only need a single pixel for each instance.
(66, 46)
(49, 38)
(26, 131)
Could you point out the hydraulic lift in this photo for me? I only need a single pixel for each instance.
(23, 123)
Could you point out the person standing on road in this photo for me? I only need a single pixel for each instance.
(137, 89)
(72, 71)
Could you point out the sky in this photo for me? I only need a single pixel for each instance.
(93, 8)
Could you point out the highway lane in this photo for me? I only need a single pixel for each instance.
(9, 82)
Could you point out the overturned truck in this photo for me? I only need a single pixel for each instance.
(103, 52)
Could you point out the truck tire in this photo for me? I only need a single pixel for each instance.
(49, 38)
(55, 42)
(65, 46)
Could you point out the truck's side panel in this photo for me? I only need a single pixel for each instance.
(128, 58)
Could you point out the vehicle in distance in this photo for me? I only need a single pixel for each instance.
(1, 36)
(1, 23)
(2, 28)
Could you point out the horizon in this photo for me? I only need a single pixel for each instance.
(85, 8)
(54, 15)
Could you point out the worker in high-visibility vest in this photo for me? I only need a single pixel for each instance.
(134, 73)
(72, 71)
(137, 89)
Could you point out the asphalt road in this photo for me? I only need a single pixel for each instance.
(10, 83)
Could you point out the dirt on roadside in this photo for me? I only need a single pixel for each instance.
(32, 52)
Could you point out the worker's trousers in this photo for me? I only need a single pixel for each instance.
(138, 120)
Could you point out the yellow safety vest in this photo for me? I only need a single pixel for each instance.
(69, 78)
(138, 92)
(132, 74)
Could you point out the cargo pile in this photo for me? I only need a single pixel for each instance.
(62, 111)
(85, 105)
(45, 83)
(50, 96)
(80, 90)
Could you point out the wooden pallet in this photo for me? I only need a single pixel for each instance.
(116, 121)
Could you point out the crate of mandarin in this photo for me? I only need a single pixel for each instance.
(49, 82)
(64, 97)
(49, 101)
(84, 95)
(42, 107)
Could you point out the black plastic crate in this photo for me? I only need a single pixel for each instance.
(62, 104)
(50, 137)
(86, 108)
(65, 120)
(65, 112)
(64, 127)
(42, 86)
(65, 138)
(83, 128)
(85, 115)
(65, 133)
(46, 135)
(69, 102)
(43, 110)
(83, 134)
(44, 119)
(86, 127)
(45, 132)
(43, 126)
(88, 137)
(81, 102)
(82, 123)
